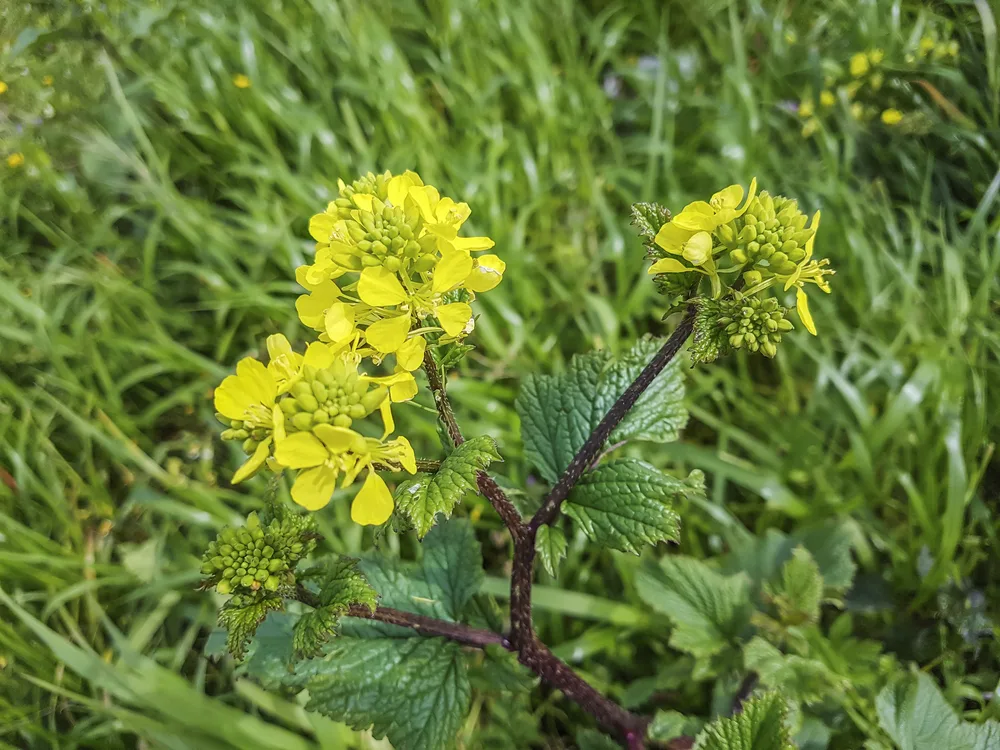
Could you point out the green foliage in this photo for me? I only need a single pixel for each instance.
(591, 739)
(550, 544)
(801, 590)
(708, 611)
(420, 499)
(341, 585)
(558, 412)
(415, 691)
(243, 614)
(626, 503)
(760, 725)
(915, 715)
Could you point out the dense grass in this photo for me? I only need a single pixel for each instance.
(150, 239)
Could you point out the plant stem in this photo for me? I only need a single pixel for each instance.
(595, 443)
(531, 652)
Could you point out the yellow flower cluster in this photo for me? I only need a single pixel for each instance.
(390, 270)
(767, 239)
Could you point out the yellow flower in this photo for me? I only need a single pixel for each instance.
(808, 271)
(3, 87)
(876, 56)
(806, 108)
(859, 64)
(926, 47)
(47, 80)
(810, 127)
(327, 453)
(827, 99)
(15, 160)
(724, 206)
(892, 117)
(241, 81)
(248, 399)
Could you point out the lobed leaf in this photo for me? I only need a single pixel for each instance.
(759, 726)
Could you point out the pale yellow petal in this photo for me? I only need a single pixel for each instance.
(373, 504)
(319, 355)
(363, 201)
(451, 270)
(277, 345)
(672, 237)
(406, 458)
(253, 464)
(256, 381)
(698, 249)
(668, 265)
(379, 287)
(410, 355)
(388, 334)
(472, 244)
(337, 439)
(313, 488)
(454, 317)
(339, 322)
(385, 410)
(487, 273)
(729, 197)
(321, 227)
(403, 390)
(300, 450)
(814, 225)
(802, 308)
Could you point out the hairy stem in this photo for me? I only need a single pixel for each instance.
(436, 383)
(595, 443)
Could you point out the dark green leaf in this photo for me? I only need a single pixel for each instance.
(242, 615)
(341, 585)
(550, 544)
(427, 495)
(627, 503)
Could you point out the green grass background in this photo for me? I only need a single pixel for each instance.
(150, 237)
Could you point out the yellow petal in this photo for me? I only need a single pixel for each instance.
(695, 221)
(277, 345)
(411, 354)
(363, 201)
(406, 458)
(318, 355)
(802, 308)
(313, 488)
(253, 464)
(814, 225)
(257, 381)
(302, 277)
(451, 271)
(729, 197)
(385, 409)
(751, 193)
(472, 244)
(388, 334)
(487, 273)
(403, 390)
(337, 439)
(454, 317)
(278, 419)
(698, 249)
(372, 505)
(668, 265)
(300, 450)
(312, 307)
(426, 198)
(399, 186)
(321, 227)
(339, 322)
(672, 237)
(379, 287)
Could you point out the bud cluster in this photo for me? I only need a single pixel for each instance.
(249, 434)
(334, 395)
(737, 322)
(258, 556)
(387, 236)
(369, 184)
(770, 237)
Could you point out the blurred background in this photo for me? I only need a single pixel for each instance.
(160, 162)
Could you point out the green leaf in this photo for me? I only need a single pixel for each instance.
(626, 503)
(558, 412)
(415, 691)
(708, 610)
(801, 591)
(648, 218)
(800, 678)
(759, 726)
(591, 739)
(341, 585)
(667, 725)
(426, 495)
(500, 671)
(916, 716)
(440, 585)
(242, 615)
(550, 544)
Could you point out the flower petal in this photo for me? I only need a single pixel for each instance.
(379, 287)
(814, 225)
(318, 355)
(672, 237)
(339, 322)
(668, 265)
(454, 317)
(399, 186)
(372, 505)
(406, 458)
(321, 227)
(451, 270)
(385, 409)
(472, 244)
(363, 201)
(388, 334)
(403, 390)
(314, 488)
(802, 308)
(698, 249)
(337, 439)
(729, 197)
(301, 450)
(253, 464)
(487, 273)
(277, 345)
(410, 355)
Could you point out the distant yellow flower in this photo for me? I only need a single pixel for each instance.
(876, 56)
(892, 117)
(15, 160)
(241, 81)
(47, 80)
(859, 64)
(827, 99)
(857, 111)
(926, 47)
(806, 108)
(3, 87)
